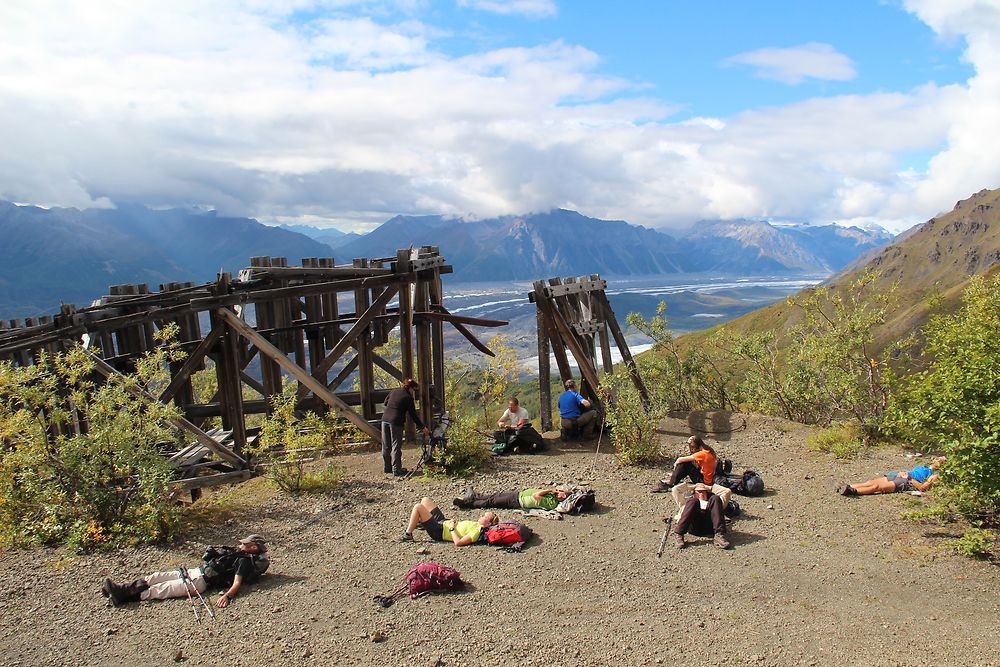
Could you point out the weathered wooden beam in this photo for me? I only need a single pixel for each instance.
(575, 287)
(180, 422)
(267, 349)
(622, 344)
(344, 373)
(290, 272)
(444, 315)
(210, 480)
(192, 363)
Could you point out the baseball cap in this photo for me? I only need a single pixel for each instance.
(255, 539)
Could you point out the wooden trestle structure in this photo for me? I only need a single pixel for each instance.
(319, 324)
(574, 314)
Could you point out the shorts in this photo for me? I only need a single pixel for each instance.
(433, 525)
(901, 483)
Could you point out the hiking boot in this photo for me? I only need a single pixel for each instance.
(123, 593)
(721, 541)
(679, 541)
(846, 489)
(661, 487)
(400, 472)
(406, 537)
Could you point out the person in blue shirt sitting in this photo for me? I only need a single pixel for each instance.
(576, 412)
(921, 478)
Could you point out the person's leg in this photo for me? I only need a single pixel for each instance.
(569, 429)
(687, 469)
(587, 423)
(715, 511)
(386, 447)
(503, 500)
(874, 486)
(164, 586)
(396, 433)
(725, 494)
(420, 513)
(683, 525)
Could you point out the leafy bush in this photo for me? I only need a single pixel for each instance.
(292, 442)
(953, 401)
(466, 450)
(105, 487)
(678, 381)
(632, 425)
(974, 543)
(842, 440)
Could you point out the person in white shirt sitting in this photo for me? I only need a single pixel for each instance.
(514, 416)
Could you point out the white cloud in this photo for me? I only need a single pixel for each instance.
(533, 8)
(795, 64)
(353, 119)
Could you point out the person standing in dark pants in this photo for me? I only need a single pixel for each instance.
(398, 404)
(702, 515)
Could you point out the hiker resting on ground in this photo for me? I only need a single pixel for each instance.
(921, 478)
(528, 499)
(573, 418)
(699, 467)
(702, 515)
(398, 404)
(514, 416)
(228, 567)
(429, 516)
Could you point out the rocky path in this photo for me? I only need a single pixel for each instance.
(813, 578)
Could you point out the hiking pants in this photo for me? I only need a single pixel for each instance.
(703, 522)
(392, 445)
(504, 500)
(681, 492)
(585, 424)
(164, 585)
(687, 469)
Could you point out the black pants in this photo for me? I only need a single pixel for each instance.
(504, 500)
(687, 469)
(392, 447)
(703, 522)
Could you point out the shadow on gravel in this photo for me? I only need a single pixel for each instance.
(269, 581)
(739, 539)
(600, 509)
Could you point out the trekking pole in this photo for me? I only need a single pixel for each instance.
(597, 451)
(208, 608)
(663, 540)
(187, 590)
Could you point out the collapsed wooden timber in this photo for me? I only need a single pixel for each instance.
(574, 314)
(319, 324)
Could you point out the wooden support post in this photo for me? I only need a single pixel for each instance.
(297, 372)
(405, 314)
(425, 369)
(363, 340)
(544, 373)
(622, 344)
(227, 371)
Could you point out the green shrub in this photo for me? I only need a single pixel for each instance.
(974, 543)
(291, 443)
(466, 450)
(633, 431)
(843, 440)
(105, 487)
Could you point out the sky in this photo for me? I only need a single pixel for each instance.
(347, 112)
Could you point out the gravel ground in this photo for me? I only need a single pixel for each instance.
(813, 578)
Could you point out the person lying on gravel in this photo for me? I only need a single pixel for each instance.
(698, 467)
(528, 499)
(921, 478)
(702, 515)
(228, 567)
(427, 515)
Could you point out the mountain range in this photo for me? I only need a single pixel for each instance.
(935, 258)
(68, 255)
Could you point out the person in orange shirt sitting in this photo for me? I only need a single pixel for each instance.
(698, 466)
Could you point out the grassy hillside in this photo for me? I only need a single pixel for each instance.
(935, 260)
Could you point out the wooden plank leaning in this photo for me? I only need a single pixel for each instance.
(180, 422)
(191, 363)
(318, 388)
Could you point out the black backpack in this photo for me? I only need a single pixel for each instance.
(747, 484)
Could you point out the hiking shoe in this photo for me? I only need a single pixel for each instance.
(106, 587)
(460, 503)
(721, 541)
(400, 472)
(661, 487)
(679, 541)
(406, 537)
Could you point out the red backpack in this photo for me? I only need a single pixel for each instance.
(423, 579)
(510, 535)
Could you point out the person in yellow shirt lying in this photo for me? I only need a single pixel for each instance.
(427, 515)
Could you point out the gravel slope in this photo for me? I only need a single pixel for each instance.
(813, 578)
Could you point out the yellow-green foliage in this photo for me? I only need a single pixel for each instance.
(843, 440)
(292, 442)
(104, 487)
(632, 425)
(975, 543)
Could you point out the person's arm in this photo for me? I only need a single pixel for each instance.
(224, 598)
(524, 419)
(411, 407)
(458, 541)
(542, 492)
(923, 486)
(684, 459)
(504, 419)
(583, 401)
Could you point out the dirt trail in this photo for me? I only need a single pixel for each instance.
(813, 578)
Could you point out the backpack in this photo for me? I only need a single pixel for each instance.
(424, 579)
(508, 535)
(732, 510)
(577, 501)
(747, 484)
(723, 467)
(219, 567)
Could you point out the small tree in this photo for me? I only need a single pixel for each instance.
(495, 379)
(632, 431)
